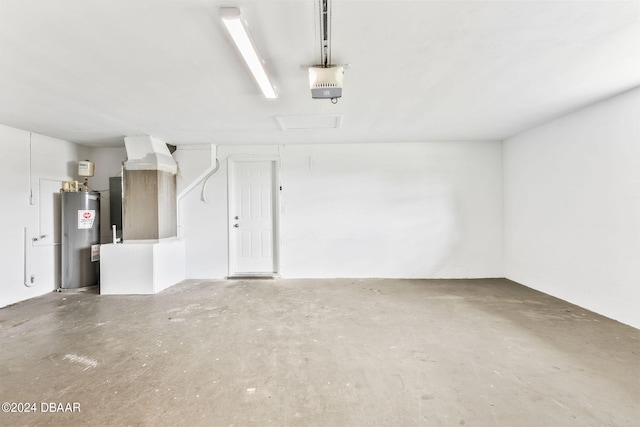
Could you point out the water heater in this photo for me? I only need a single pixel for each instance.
(80, 239)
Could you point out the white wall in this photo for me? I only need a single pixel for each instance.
(572, 208)
(33, 168)
(365, 210)
(39, 172)
(203, 225)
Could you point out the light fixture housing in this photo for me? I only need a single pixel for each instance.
(326, 82)
(232, 20)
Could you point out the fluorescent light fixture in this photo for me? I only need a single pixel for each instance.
(232, 20)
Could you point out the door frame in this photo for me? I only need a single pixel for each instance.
(275, 214)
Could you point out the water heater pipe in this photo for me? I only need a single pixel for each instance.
(27, 259)
(205, 175)
(215, 165)
(203, 196)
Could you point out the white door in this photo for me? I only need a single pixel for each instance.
(252, 217)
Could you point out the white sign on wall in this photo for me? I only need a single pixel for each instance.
(85, 219)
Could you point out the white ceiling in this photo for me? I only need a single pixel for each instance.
(93, 71)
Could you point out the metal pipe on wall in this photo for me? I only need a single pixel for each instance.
(27, 259)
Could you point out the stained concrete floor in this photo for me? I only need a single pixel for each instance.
(318, 353)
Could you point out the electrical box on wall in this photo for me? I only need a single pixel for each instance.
(85, 168)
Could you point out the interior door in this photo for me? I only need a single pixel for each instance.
(252, 218)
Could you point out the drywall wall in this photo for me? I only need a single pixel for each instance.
(364, 210)
(572, 208)
(33, 168)
(31, 176)
(203, 224)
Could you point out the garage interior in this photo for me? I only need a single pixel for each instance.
(450, 235)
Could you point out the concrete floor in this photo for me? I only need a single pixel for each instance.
(319, 353)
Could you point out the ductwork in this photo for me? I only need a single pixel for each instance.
(148, 153)
(149, 204)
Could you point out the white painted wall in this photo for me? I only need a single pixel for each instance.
(365, 210)
(203, 225)
(572, 208)
(37, 171)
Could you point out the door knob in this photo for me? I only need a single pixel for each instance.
(236, 225)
